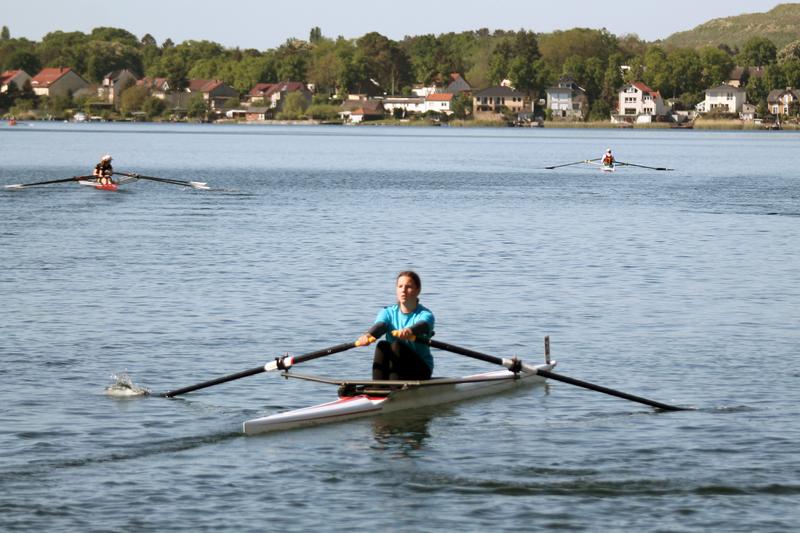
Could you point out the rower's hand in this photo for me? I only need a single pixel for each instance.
(405, 334)
(365, 340)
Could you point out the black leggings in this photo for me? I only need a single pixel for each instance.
(397, 361)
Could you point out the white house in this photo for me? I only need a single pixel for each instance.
(567, 100)
(638, 103)
(439, 102)
(408, 104)
(723, 98)
(424, 90)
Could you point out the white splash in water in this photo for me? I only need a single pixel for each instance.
(124, 387)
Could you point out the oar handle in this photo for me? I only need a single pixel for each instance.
(287, 361)
(511, 364)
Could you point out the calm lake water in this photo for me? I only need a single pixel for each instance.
(677, 286)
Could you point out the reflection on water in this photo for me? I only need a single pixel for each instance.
(404, 432)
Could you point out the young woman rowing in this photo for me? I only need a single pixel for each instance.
(399, 357)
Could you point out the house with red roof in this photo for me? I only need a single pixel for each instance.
(440, 102)
(158, 87)
(639, 103)
(360, 110)
(58, 81)
(17, 77)
(275, 95)
(215, 92)
(256, 94)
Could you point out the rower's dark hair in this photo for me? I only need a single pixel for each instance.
(411, 274)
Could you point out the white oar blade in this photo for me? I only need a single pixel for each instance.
(15, 186)
(201, 185)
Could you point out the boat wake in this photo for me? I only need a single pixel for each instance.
(124, 387)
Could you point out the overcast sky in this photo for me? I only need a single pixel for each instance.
(264, 24)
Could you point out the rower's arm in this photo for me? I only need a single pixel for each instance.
(421, 329)
(378, 329)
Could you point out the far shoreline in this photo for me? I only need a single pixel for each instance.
(703, 125)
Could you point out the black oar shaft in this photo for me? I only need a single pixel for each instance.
(605, 390)
(641, 166)
(62, 180)
(570, 164)
(463, 351)
(551, 375)
(322, 353)
(155, 178)
(277, 364)
(212, 382)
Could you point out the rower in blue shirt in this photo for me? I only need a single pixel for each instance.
(398, 357)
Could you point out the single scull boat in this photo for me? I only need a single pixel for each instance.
(368, 398)
(359, 399)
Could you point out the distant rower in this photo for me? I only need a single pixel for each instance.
(608, 159)
(103, 171)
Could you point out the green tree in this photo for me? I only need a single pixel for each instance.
(423, 52)
(500, 63)
(656, 70)
(315, 35)
(461, 106)
(133, 99)
(757, 90)
(717, 66)
(381, 59)
(63, 49)
(323, 112)
(291, 60)
(196, 107)
(325, 66)
(23, 60)
(758, 51)
(686, 73)
(114, 35)
(22, 108)
(522, 68)
(103, 57)
(556, 47)
(599, 110)
(154, 107)
(173, 67)
(56, 106)
(774, 77)
(5, 34)
(294, 107)
(612, 80)
(148, 40)
(791, 72)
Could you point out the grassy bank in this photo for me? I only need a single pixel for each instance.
(734, 124)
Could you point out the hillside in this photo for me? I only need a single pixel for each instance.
(781, 25)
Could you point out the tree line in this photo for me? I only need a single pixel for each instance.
(598, 60)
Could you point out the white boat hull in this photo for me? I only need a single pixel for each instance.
(362, 405)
